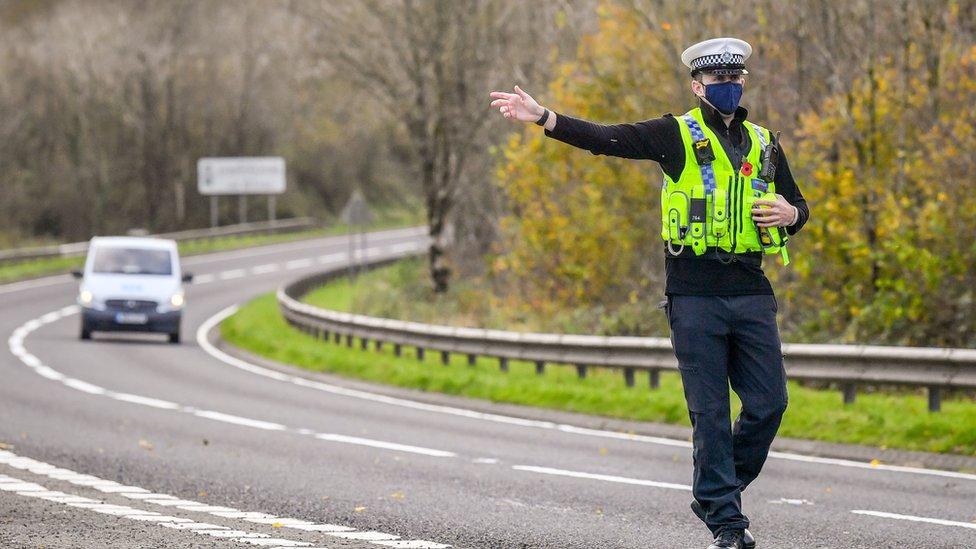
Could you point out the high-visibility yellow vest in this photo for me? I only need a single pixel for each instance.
(710, 204)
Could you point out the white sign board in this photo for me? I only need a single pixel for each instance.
(241, 175)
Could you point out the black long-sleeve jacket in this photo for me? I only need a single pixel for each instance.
(659, 139)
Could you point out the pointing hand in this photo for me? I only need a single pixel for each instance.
(517, 106)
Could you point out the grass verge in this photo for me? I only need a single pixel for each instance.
(881, 420)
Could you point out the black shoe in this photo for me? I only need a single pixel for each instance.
(748, 542)
(728, 539)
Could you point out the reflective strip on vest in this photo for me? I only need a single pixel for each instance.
(707, 173)
(762, 137)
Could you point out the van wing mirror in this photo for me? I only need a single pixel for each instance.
(76, 273)
(188, 277)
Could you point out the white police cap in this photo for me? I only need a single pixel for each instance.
(718, 56)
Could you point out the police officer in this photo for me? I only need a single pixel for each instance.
(722, 209)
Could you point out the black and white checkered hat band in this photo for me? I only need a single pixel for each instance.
(724, 59)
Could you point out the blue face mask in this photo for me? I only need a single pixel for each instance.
(724, 96)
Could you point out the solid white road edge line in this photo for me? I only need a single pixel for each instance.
(213, 351)
(16, 345)
(31, 489)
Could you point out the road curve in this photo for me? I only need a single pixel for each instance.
(127, 441)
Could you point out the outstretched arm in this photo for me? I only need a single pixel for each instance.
(653, 139)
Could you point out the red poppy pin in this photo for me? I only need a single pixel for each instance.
(746, 168)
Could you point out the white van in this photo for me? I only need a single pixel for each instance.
(131, 284)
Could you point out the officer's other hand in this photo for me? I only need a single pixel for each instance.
(777, 213)
(517, 106)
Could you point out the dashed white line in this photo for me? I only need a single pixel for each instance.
(329, 258)
(213, 351)
(16, 345)
(232, 274)
(605, 478)
(265, 269)
(385, 445)
(941, 522)
(298, 263)
(237, 420)
(203, 278)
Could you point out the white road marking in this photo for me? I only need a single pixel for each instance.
(145, 401)
(404, 246)
(364, 536)
(83, 386)
(213, 351)
(33, 489)
(329, 258)
(227, 418)
(16, 343)
(264, 269)
(232, 274)
(299, 245)
(203, 278)
(298, 263)
(790, 501)
(412, 544)
(942, 522)
(605, 478)
(386, 445)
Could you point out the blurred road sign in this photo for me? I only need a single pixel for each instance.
(356, 212)
(241, 175)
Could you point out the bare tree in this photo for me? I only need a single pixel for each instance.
(430, 64)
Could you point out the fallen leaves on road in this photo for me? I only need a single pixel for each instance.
(398, 495)
(146, 445)
(359, 509)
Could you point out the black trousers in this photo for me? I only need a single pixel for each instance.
(720, 340)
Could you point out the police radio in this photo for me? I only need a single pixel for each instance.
(769, 159)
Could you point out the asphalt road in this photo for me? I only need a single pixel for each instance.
(127, 441)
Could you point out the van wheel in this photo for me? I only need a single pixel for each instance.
(174, 337)
(85, 332)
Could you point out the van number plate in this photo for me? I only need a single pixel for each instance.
(131, 318)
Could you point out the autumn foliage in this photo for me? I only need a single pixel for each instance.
(882, 147)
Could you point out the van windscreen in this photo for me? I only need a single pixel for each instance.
(132, 261)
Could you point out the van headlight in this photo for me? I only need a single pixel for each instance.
(87, 300)
(176, 301)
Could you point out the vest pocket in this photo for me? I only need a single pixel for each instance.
(720, 213)
(677, 216)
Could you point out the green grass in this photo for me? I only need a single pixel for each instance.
(57, 265)
(881, 420)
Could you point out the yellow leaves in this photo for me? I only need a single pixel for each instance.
(398, 495)
(359, 509)
(145, 445)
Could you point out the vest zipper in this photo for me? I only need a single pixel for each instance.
(742, 192)
(735, 211)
